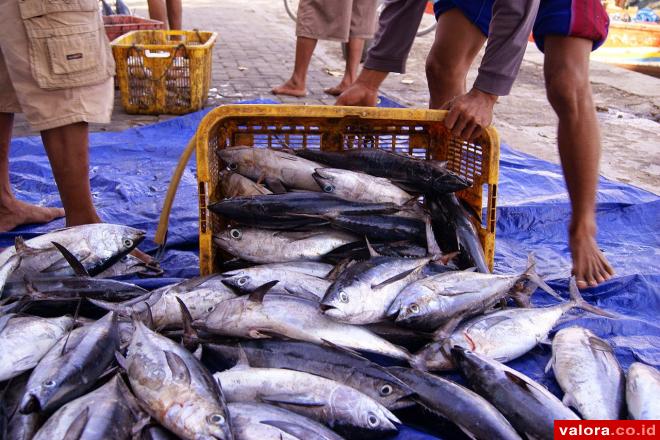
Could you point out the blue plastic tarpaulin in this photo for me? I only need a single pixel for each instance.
(131, 170)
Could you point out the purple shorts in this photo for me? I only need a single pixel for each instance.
(571, 18)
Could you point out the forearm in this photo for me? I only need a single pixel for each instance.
(397, 28)
(508, 35)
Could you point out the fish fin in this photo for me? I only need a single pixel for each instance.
(275, 185)
(342, 348)
(68, 334)
(517, 380)
(75, 264)
(108, 372)
(121, 360)
(268, 333)
(292, 399)
(242, 363)
(395, 278)
(600, 345)
(445, 330)
(293, 429)
(372, 251)
(568, 400)
(548, 366)
(22, 248)
(139, 425)
(339, 268)
(178, 367)
(303, 293)
(531, 275)
(257, 295)
(432, 247)
(580, 303)
(545, 341)
(113, 307)
(190, 336)
(197, 354)
(261, 178)
(77, 426)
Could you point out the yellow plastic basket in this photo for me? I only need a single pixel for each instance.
(417, 132)
(164, 72)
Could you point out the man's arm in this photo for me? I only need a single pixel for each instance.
(509, 31)
(397, 27)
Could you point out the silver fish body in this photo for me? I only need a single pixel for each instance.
(24, 340)
(359, 187)
(266, 246)
(96, 246)
(271, 165)
(258, 421)
(248, 279)
(330, 402)
(234, 185)
(175, 387)
(432, 301)
(530, 407)
(313, 268)
(642, 391)
(20, 426)
(363, 293)
(589, 374)
(126, 265)
(294, 318)
(103, 414)
(72, 366)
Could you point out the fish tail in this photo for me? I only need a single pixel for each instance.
(579, 302)
(118, 308)
(531, 275)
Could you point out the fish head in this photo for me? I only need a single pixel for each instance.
(342, 300)
(37, 399)
(473, 366)
(325, 179)
(122, 239)
(218, 425)
(229, 239)
(435, 356)
(411, 304)
(242, 282)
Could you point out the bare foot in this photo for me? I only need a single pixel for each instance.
(15, 213)
(290, 88)
(358, 94)
(337, 90)
(590, 266)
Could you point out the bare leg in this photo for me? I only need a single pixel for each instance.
(450, 57)
(364, 91)
(353, 55)
(13, 212)
(158, 11)
(174, 14)
(68, 151)
(569, 92)
(296, 86)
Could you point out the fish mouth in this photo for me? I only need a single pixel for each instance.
(394, 311)
(30, 404)
(331, 311)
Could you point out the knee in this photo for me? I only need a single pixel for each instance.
(442, 71)
(568, 90)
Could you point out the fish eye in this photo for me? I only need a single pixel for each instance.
(128, 242)
(328, 188)
(242, 281)
(233, 166)
(49, 383)
(210, 309)
(216, 419)
(236, 234)
(343, 296)
(386, 390)
(414, 308)
(372, 419)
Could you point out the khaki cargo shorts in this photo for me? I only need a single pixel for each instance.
(336, 20)
(55, 62)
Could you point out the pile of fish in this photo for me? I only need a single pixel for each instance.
(346, 301)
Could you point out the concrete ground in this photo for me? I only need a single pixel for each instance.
(255, 51)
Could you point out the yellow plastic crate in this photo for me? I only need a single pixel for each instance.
(417, 132)
(164, 72)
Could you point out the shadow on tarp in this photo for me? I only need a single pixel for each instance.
(131, 169)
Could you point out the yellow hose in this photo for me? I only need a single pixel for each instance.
(163, 222)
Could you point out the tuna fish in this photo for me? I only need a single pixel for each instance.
(642, 391)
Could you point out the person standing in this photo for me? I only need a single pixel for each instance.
(170, 12)
(348, 21)
(566, 31)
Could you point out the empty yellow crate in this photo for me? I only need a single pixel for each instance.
(164, 72)
(417, 132)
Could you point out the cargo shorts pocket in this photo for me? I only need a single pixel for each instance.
(67, 43)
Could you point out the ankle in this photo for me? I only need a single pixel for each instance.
(582, 228)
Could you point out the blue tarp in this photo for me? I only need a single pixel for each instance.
(131, 169)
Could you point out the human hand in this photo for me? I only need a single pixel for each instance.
(469, 114)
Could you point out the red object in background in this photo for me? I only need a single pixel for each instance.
(612, 429)
(118, 25)
(429, 8)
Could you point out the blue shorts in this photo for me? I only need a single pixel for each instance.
(571, 18)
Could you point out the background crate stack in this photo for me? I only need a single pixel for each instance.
(417, 132)
(164, 72)
(118, 25)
